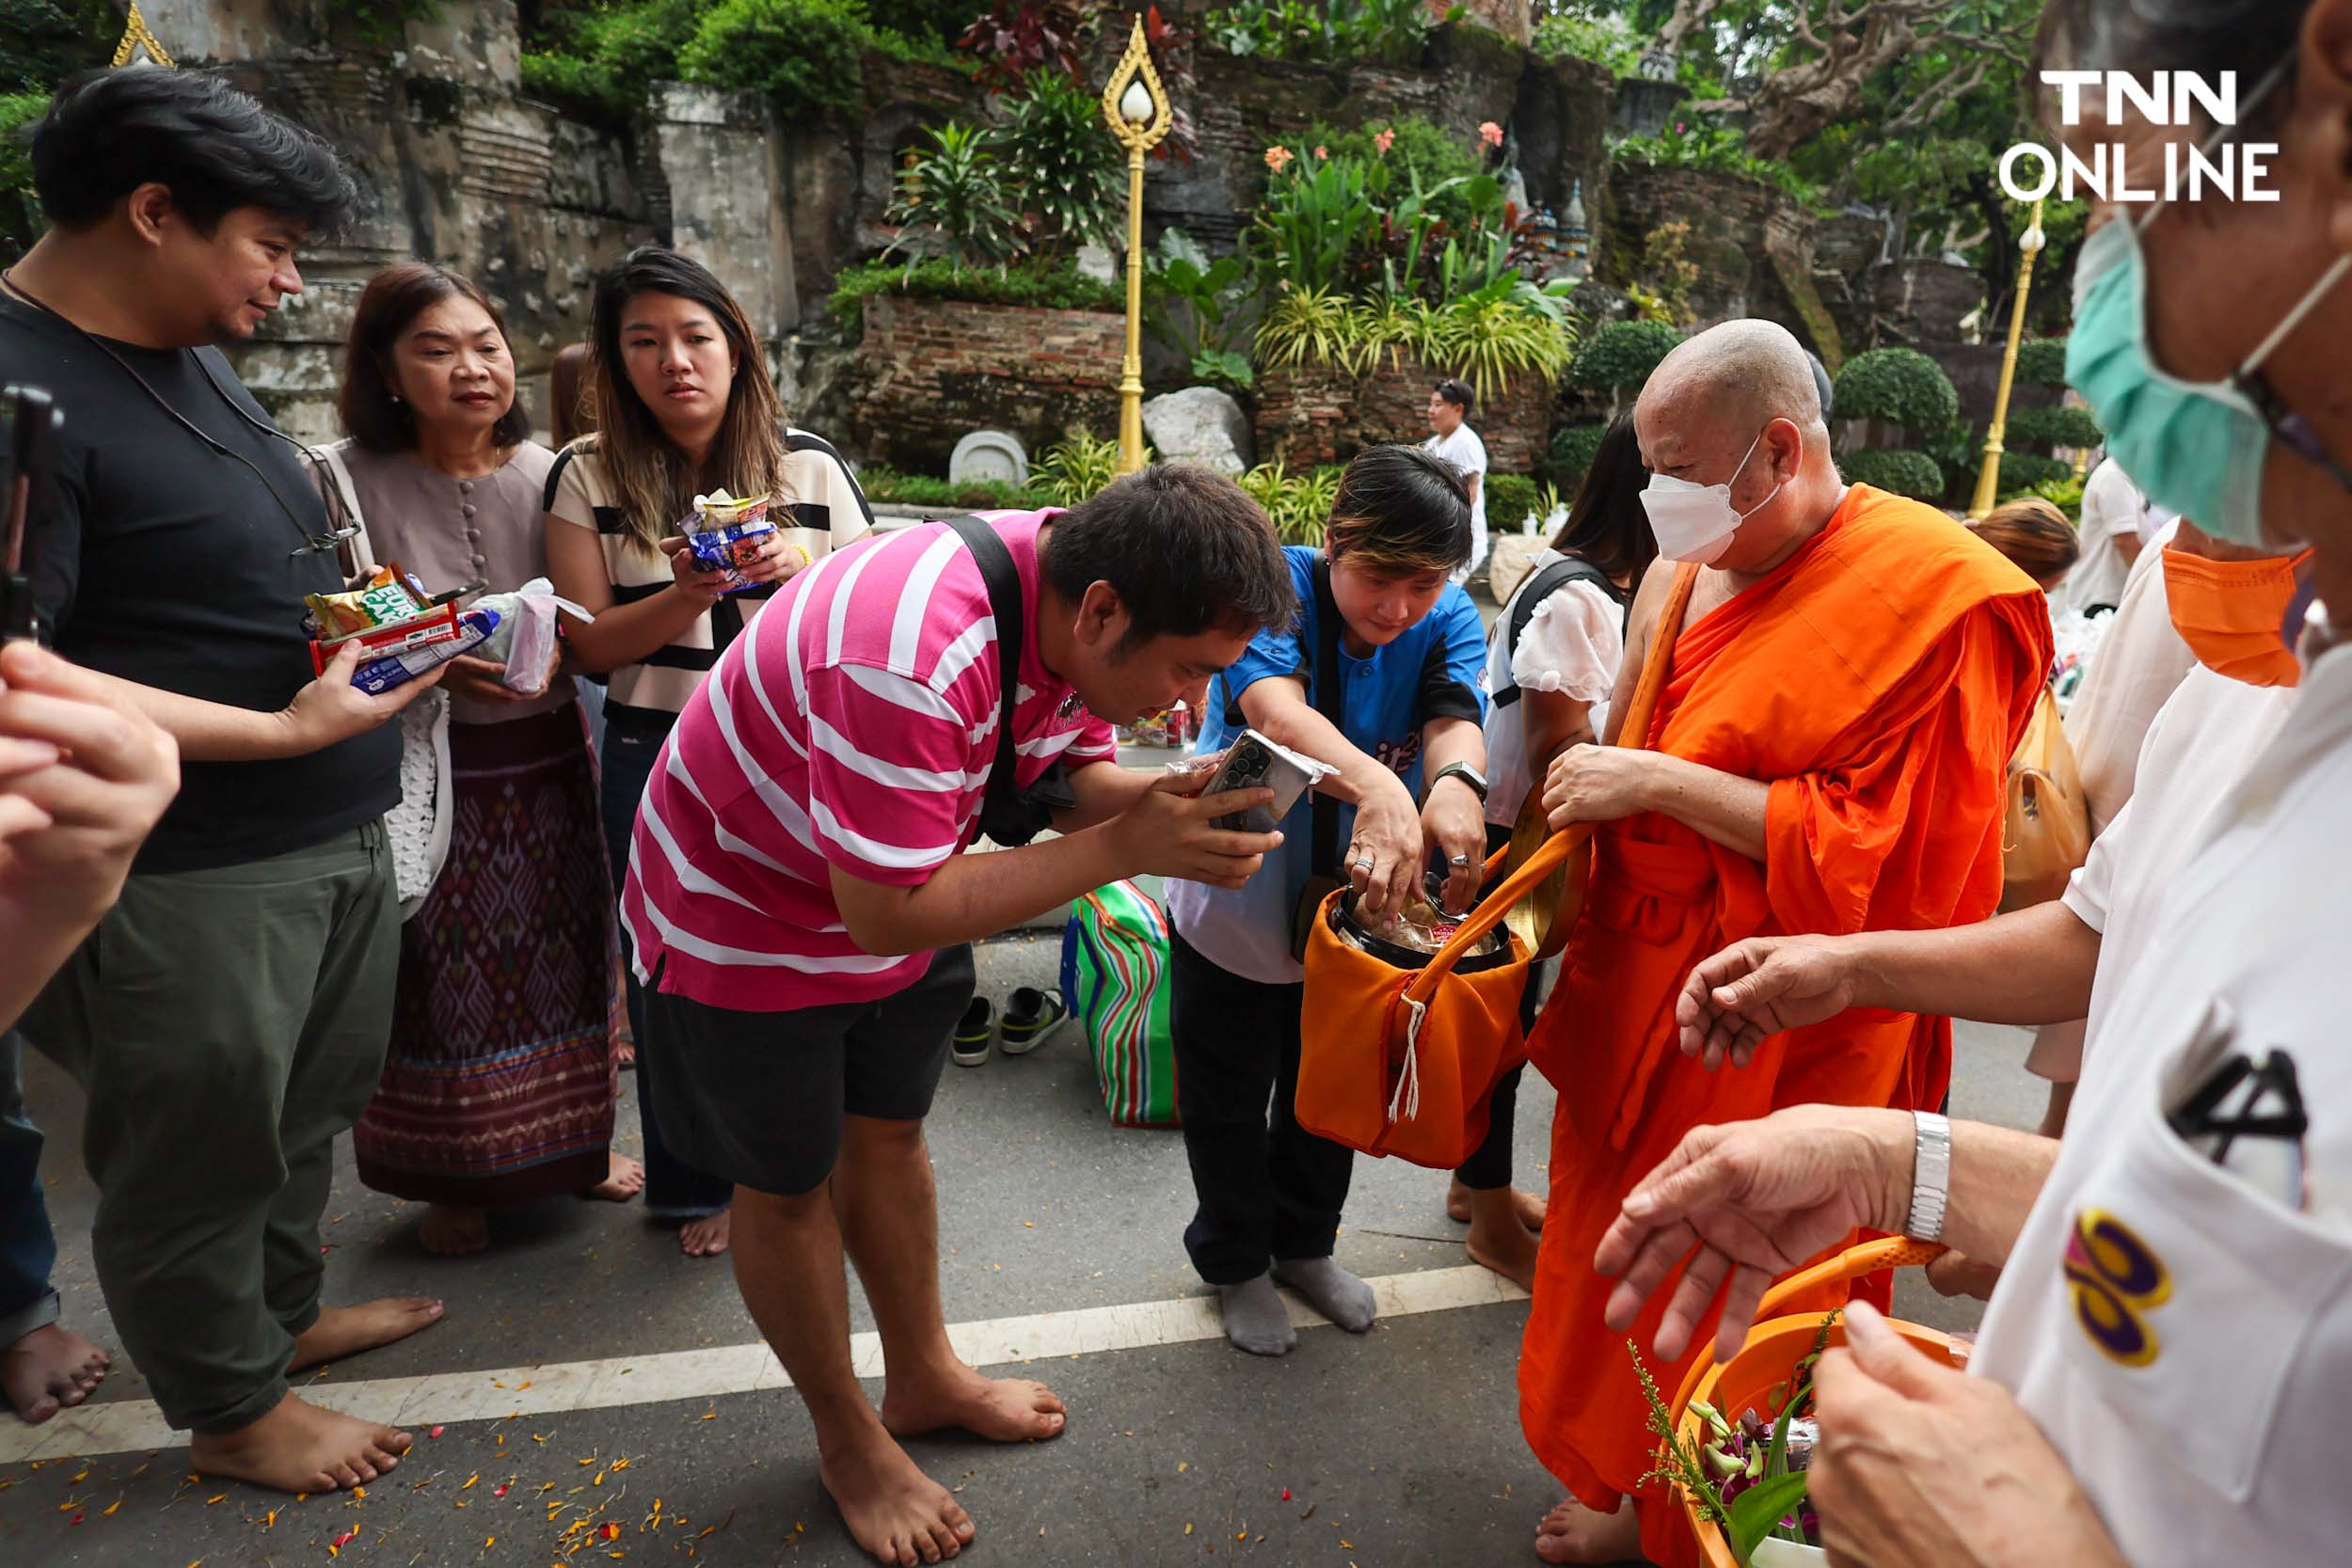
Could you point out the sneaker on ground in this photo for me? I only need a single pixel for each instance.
(1031, 1018)
(972, 1035)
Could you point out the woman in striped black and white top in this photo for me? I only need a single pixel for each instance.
(683, 406)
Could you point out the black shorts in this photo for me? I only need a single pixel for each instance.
(757, 1099)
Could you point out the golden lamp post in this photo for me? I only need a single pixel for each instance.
(1136, 107)
(1989, 476)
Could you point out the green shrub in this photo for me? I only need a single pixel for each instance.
(2047, 428)
(1509, 498)
(2065, 494)
(1609, 43)
(882, 484)
(1060, 157)
(1075, 470)
(1298, 505)
(1573, 449)
(1052, 288)
(599, 61)
(1621, 354)
(21, 222)
(1714, 150)
(2024, 471)
(1898, 385)
(1418, 150)
(804, 54)
(1331, 32)
(1898, 469)
(2041, 362)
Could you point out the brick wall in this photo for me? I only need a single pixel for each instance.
(930, 371)
(1315, 415)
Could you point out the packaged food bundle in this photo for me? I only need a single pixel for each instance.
(728, 536)
(390, 594)
(524, 636)
(393, 655)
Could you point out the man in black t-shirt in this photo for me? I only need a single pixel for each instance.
(228, 1017)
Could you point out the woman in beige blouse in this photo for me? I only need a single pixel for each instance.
(499, 1084)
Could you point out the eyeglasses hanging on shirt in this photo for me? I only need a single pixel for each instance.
(312, 544)
(2247, 1117)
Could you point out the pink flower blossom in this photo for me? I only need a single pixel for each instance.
(1490, 133)
(1385, 140)
(1677, 127)
(1322, 152)
(1278, 158)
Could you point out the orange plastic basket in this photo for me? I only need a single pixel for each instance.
(1772, 1351)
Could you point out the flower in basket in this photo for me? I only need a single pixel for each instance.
(1278, 158)
(1490, 133)
(1385, 140)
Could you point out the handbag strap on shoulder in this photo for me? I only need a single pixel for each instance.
(1492, 910)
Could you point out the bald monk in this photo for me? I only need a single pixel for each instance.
(1847, 673)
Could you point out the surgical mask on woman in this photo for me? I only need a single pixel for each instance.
(1696, 522)
(2238, 617)
(2196, 447)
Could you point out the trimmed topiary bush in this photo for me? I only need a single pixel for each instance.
(2022, 472)
(1621, 354)
(1572, 452)
(1897, 470)
(2044, 429)
(2041, 362)
(1509, 498)
(1900, 386)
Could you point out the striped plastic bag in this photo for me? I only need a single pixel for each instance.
(1114, 972)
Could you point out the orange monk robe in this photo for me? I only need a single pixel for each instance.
(1880, 679)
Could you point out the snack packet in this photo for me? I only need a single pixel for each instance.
(729, 535)
(524, 637)
(390, 594)
(395, 654)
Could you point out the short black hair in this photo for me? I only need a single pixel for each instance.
(1457, 393)
(1607, 524)
(107, 133)
(1185, 547)
(1402, 509)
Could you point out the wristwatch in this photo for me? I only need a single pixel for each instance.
(1465, 772)
(1930, 1176)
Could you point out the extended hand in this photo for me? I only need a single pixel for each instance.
(480, 680)
(1758, 988)
(83, 778)
(1168, 834)
(331, 709)
(1756, 1198)
(1454, 820)
(1598, 783)
(1920, 1463)
(1385, 857)
(696, 583)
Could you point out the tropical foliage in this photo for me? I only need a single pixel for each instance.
(1330, 32)
(1029, 283)
(1298, 505)
(1071, 471)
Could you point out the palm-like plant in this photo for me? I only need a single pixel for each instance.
(1319, 325)
(1052, 143)
(953, 198)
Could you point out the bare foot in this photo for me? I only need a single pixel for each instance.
(453, 1231)
(50, 1370)
(624, 1178)
(1574, 1533)
(706, 1237)
(1002, 1410)
(300, 1448)
(1457, 1206)
(624, 1054)
(893, 1511)
(342, 1331)
(1507, 1249)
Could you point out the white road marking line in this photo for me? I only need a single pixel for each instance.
(132, 1426)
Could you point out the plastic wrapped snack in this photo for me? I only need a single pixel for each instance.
(729, 535)
(387, 596)
(523, 637)
(395, 654)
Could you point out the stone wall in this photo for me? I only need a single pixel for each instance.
(930, 371)
(1315, 415)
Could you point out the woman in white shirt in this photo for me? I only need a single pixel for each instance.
(2160, 1376)
(1551, 661)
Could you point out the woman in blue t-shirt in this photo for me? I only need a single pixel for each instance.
(1406, 688)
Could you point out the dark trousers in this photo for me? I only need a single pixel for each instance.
(1266, 1189)
(674, 1189)
(28, 1249)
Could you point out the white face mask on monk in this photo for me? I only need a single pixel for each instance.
(1696, 522)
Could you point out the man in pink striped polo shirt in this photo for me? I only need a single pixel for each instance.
(801, 912)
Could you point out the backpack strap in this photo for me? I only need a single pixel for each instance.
(1331, 690)
(555, 473)
(1523, 606)
(994, 559)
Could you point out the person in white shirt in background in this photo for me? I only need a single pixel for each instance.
(1551, 687)
(2160, 1376)
(1450, 404)
(2115, 525)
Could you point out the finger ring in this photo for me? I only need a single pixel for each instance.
(1461, 859)
(1364, 866)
